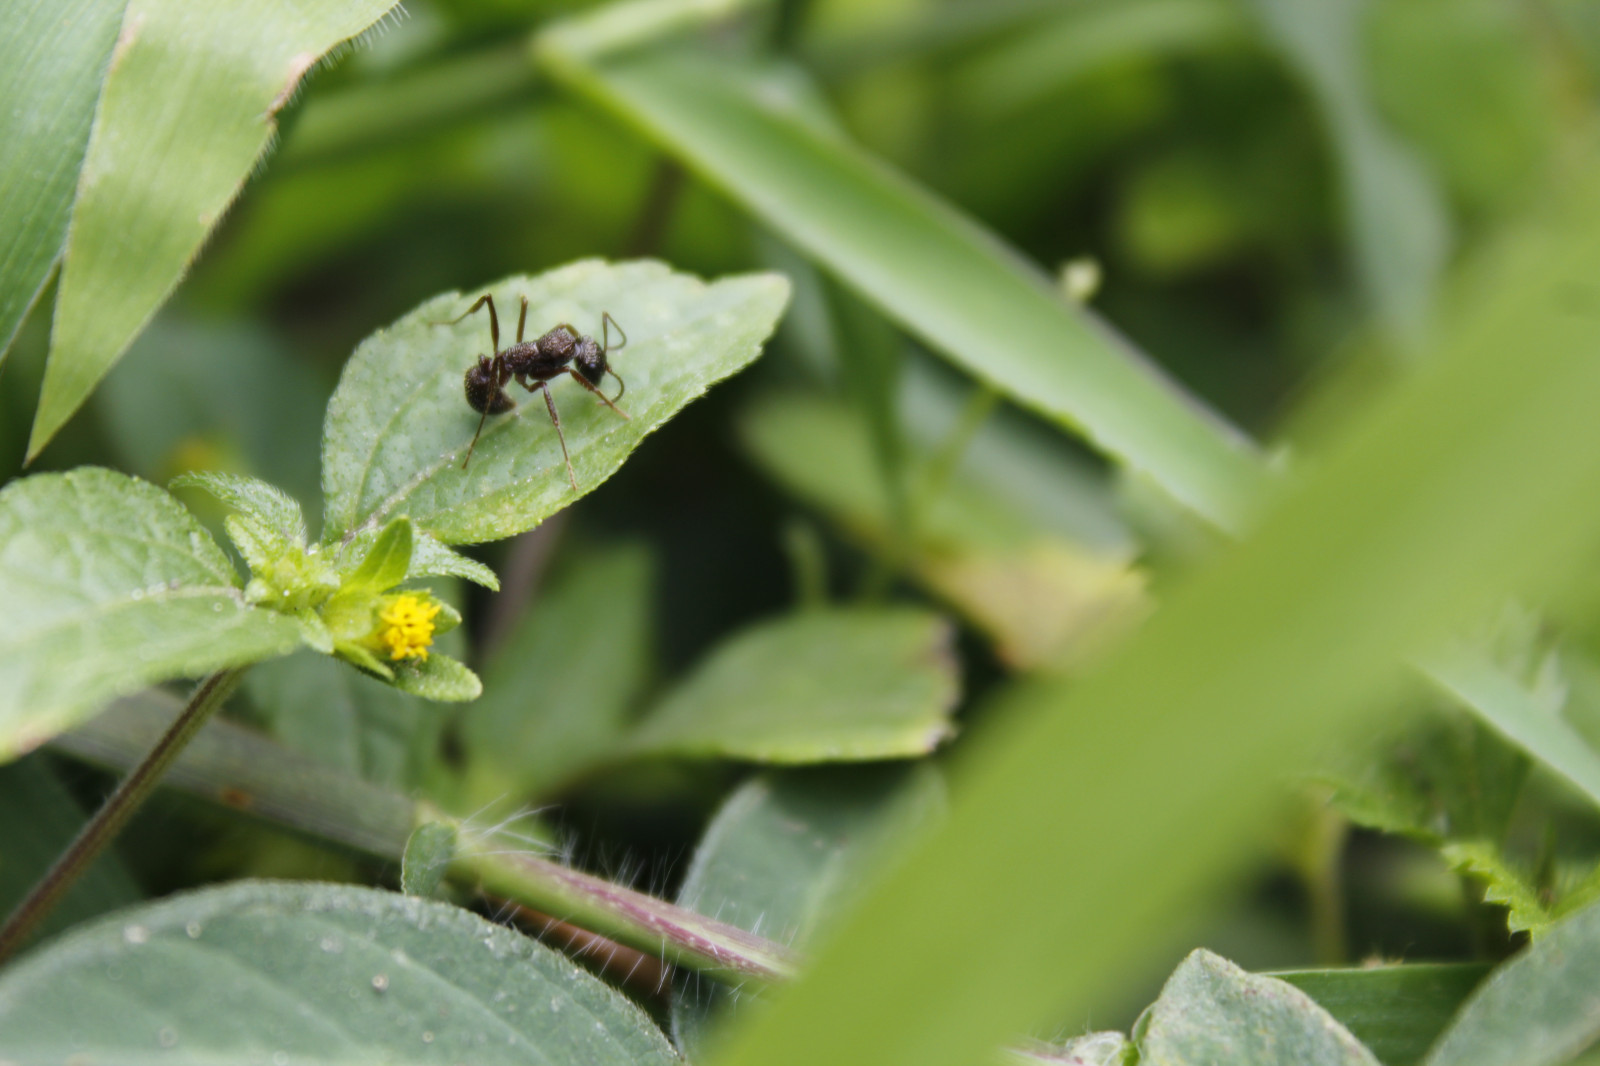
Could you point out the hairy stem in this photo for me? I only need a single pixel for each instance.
(108, 821)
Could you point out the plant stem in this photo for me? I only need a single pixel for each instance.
(108, 821)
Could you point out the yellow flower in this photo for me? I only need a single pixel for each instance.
(408, 627)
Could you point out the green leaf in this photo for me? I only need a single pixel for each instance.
(251, 496)
(1476, 477)
(387, 561)
(51, 62)
(558, 691)
(1044, 599)
(1503, 884)
(438, 677)
(428, 853)
(1399, 229)
(817, 686)
(1211, 1011)
(109, 585)
(787, 853)
(345, 719)
(399, 426)
(1396, 1011)
(429, 558)
(302, 973)
(940, 276)
(1537, 1008)
(186, 113)
(38, 819)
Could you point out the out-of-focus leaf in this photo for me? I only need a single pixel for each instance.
(38, 819)
(1399, 229)
(788, 852)
(944, 279)
(1535, 1010)
(1477, 477)
(428, 853)
(559, 689)
(110, 585)
(1043, 599)
(1211, 1011)
(186, 112)
(825, 685)
(399, 426)
(1503, 885)
(263, 971)
(343, 718)
(51, 61)
(1091, 1049)
(1396, 1011)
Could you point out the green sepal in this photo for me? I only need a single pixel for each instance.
(387, 561)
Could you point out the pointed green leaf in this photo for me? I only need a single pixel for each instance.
(1211, 1011)
(264, 502)
(264, 972)
(559, 690)
(1538, 1009)
(399, 426)
(438, 677)
(429, 558)
(788, 852)
(388, 561)
(110, 585)
(1396, 1011)
(52, 58)
(933, 270)
(817, 686)
(257, 544)
(1503, 884)
(186, 113)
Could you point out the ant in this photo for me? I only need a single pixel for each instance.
(533, 364)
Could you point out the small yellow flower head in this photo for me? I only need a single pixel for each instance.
(408, 627)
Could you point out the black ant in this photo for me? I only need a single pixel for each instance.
(533, 364)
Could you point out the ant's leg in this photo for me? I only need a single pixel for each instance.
(475, 436)
(581, 380)
(494, 319)
(522, 319)
(555, 420)
(622, 386)
(606, 322)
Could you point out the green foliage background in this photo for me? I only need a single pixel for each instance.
(1242, 594)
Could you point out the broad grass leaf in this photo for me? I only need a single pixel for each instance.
(1535, 1010)
(52, 59)
(110, 585)
(1476, 477)
(186, 113)
(399, 426)
(943, 278)
(826, 685)
(790, 850)
(559, 689)
(1211, 1011)
(300, 973)
(1396, 1011)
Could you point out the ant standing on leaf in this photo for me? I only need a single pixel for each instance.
(532, 364)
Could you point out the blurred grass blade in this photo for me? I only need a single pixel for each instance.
(52, 56)
(1399, 231)
(943, 278)
(1478, 476)
(1496, 697)
(187, 110)
(1397, 1011)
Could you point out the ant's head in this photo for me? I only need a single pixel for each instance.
(590, 359)
(485, 388)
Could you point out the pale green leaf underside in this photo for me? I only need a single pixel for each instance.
(187, 109)
(1211, 1011)
(817, 686)
(295, 974)
(787, 851)
(943, 278)
(110, 585)
(398, 425)
(263, 501)
(1536, 1010)
(51, 57)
